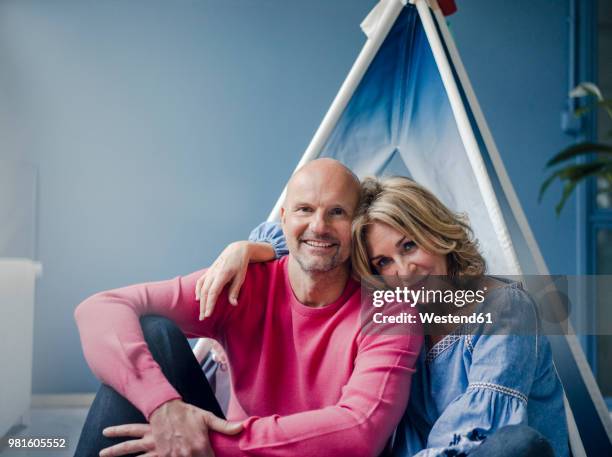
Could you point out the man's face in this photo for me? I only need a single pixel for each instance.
(317, 218)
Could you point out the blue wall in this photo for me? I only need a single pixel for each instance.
(162, 130)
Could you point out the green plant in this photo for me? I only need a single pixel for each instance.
(570, 175)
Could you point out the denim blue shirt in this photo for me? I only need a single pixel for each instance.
(470, 384)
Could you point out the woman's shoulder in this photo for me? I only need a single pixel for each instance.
(499, 287)
(509, 308)
(507, 327)
(511, 331)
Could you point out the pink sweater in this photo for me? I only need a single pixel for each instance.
(305, 380)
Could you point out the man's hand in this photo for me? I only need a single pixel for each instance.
(143, 441)
(176, 428)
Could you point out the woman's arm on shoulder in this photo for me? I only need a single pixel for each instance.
(266, 242)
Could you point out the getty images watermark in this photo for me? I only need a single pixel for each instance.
(527, 305)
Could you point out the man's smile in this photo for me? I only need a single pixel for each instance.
(319, 245)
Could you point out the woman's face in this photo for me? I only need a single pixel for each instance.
(393, 254)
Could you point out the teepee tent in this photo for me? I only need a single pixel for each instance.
(407, 108)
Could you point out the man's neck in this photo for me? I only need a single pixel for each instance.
(317, 289)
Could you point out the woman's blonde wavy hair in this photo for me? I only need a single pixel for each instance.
(415, 212)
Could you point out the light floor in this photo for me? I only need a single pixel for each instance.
(50, 422)
(47, 423)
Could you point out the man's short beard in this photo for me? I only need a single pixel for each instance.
(330, 265)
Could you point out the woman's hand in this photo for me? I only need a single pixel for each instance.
(230, 267)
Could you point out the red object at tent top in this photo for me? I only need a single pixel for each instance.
(448, 7)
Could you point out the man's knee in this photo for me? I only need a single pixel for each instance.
(170, 349)
(159, 327)
(162, 336)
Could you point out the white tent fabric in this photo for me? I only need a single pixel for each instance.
(374, 19)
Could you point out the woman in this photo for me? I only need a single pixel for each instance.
(471, 380)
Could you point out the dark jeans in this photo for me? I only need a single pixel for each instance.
(514, 441)
(171, 351)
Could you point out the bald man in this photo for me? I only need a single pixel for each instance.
(306, 380)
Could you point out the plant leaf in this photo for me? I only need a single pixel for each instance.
(579, 112)
(579, 149)
(577, 174)
(608, 108)
(572, 175)
(605, 104)
(582, 171)
(584, 89)
(546, 184)
(568, 188)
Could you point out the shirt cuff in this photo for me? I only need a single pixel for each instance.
(271, 233)
(147, 398)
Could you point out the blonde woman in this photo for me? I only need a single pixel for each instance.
(471, 387)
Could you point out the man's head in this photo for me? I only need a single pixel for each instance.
(317, 213)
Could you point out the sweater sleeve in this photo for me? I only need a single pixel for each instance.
(114, 345)
(358, 424)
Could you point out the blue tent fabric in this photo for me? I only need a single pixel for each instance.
(399, 121)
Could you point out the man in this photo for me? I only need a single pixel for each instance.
(306, 380)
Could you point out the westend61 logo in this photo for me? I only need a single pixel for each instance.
(442, 299)
(527, 304)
